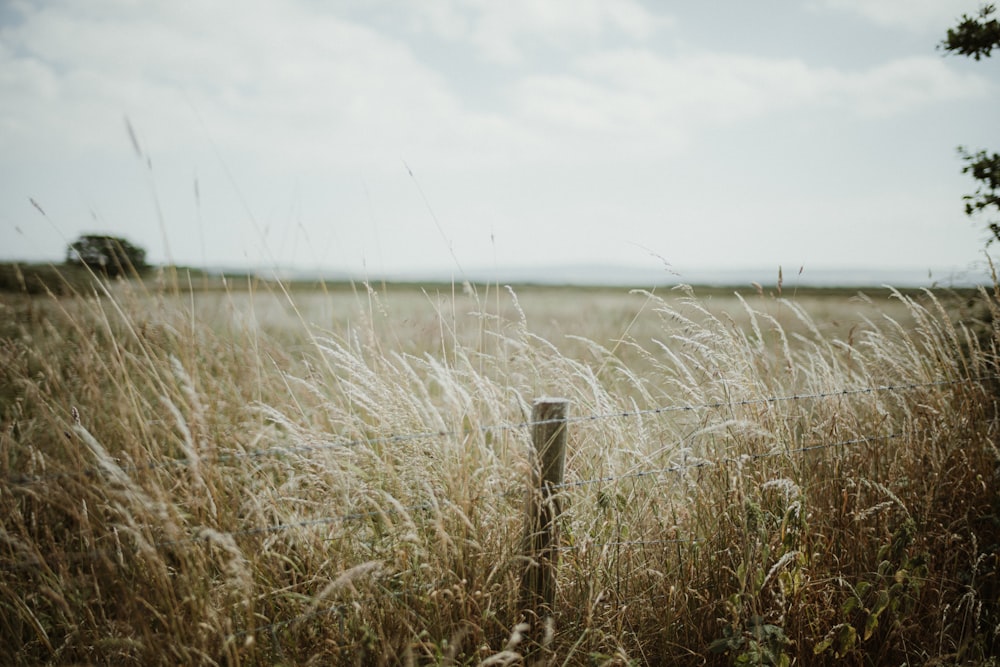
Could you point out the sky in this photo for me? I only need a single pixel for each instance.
(449, 137)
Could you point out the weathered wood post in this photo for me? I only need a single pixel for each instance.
(541, 537)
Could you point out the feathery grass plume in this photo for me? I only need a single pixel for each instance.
(210, 478)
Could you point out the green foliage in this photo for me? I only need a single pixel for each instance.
(977, 37)
(842, 638)
(43, 279)
(106, 255)
(985, 168)
(769, 579)
(974, 36)
(885, 600)
(759, 643)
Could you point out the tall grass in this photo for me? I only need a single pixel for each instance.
(183, 489)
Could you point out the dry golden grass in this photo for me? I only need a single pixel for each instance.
(337, 477)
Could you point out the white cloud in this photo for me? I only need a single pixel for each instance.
(904, 85)
(278, 77)
(913, 15)
(289, 83)
(645, 95)
(302, 93)
(502, 31)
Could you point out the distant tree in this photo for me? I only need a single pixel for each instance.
(977, 37)
(107, 255)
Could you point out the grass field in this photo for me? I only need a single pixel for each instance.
(263, 474)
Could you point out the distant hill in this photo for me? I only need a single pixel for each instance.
(624, 276)
(62, 279)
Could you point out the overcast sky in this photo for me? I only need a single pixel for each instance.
(446, 135)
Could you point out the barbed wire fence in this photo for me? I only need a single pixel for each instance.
(495, 428)
(523, 425)
(550, 490)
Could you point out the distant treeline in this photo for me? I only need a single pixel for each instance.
(67, 280)
(70, 279)
(43, 278)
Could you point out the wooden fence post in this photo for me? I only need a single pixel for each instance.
(541, 537)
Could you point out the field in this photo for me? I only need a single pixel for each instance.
(255, 473)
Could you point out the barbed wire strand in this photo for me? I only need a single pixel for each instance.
(441, 433)
(273, 627)
(684, 467)
(625, 543)
(762, 401)
(96, 554)
(338, 609)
